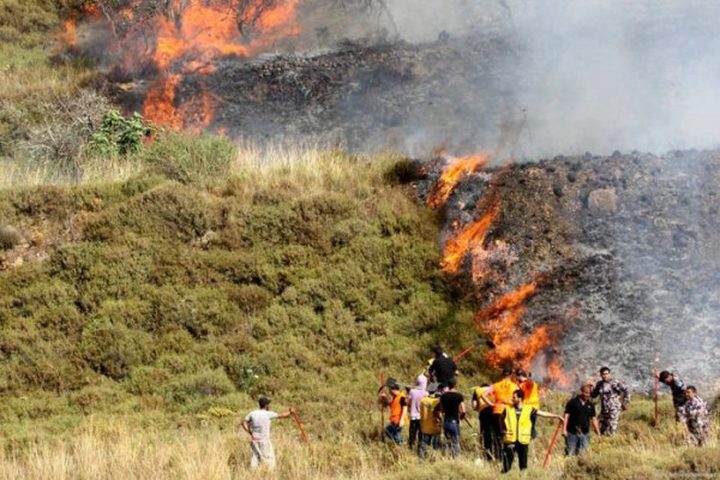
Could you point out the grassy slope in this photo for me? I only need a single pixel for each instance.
(170, 298)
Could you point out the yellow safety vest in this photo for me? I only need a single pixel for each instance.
(479, 392)
(518, 431)
(428, 424)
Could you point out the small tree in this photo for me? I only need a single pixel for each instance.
(118, 135)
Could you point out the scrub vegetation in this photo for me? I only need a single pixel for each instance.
(148, 294)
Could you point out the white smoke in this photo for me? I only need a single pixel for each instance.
(592, 75)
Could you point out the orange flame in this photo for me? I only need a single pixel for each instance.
(466, 239)
(191, 39)
(501, 321)
(556, 374)
(452, 174)
(203, 34)
(159, 106)
(68, 37)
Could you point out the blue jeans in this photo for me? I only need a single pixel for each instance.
(425, 442)
(394, 432)
(577, 443)
(451, 429)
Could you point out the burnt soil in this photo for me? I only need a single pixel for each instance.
(629, 251)
(359, 95)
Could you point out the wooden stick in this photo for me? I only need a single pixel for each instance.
(655, 395)
(460, 355)
(552, 442)
(382, 410)
(301, 427)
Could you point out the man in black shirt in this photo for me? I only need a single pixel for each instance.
(443, 368)
(452, 406)
(677, 387)
(579, 414)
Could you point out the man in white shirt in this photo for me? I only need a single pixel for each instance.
(257, 425)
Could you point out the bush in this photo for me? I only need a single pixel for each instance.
(68, 124)
(189, 159)
(118, 135)
(169, 212)
(186, 388)
(700, 460)
(9, 237)
(113, 350)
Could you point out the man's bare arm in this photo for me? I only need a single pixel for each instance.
(543, 414)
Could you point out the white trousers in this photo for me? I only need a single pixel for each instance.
(262, 454)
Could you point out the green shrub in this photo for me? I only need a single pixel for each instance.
(700, 460)
(117, 135)
(169, 212)
(612, 465)
(112, 350)
(9, 237)
(185, 388)
(187, 159)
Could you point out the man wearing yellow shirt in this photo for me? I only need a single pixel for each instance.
(502, 393)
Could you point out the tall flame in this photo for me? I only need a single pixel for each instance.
(501, 322)
(452, 174)
(466, 239)
(189, 37)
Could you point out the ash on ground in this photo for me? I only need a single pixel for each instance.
(629, 249)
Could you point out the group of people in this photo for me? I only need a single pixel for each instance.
(690, 409)
(507, 412)
(509, 408)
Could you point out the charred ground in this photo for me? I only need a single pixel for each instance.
(627, 249)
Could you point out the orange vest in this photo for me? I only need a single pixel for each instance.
(396, 408)
(502, 391)
(532, 394)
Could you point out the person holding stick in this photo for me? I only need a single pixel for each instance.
(485, 417)
(452, 407)
(517, 430)
(430, 422)
(257, 425)
(678, 388)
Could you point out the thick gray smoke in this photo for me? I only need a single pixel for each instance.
(595, 75)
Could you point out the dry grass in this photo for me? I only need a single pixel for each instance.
(254, 168)
(119, 452)
(117, 448)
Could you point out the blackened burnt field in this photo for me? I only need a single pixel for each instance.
(360, 95)
(626, 250)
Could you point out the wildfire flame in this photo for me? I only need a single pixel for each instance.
(69, 36)
(452, 174)
(466, 239)
(190, 39)
(515, 344)
(501, 322)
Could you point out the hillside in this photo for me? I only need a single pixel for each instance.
(154, 283)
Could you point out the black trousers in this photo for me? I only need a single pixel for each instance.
(509, 451)
(488, 432)
(498, 426)
(414, 433)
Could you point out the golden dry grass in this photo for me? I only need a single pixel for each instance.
(115, 447)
